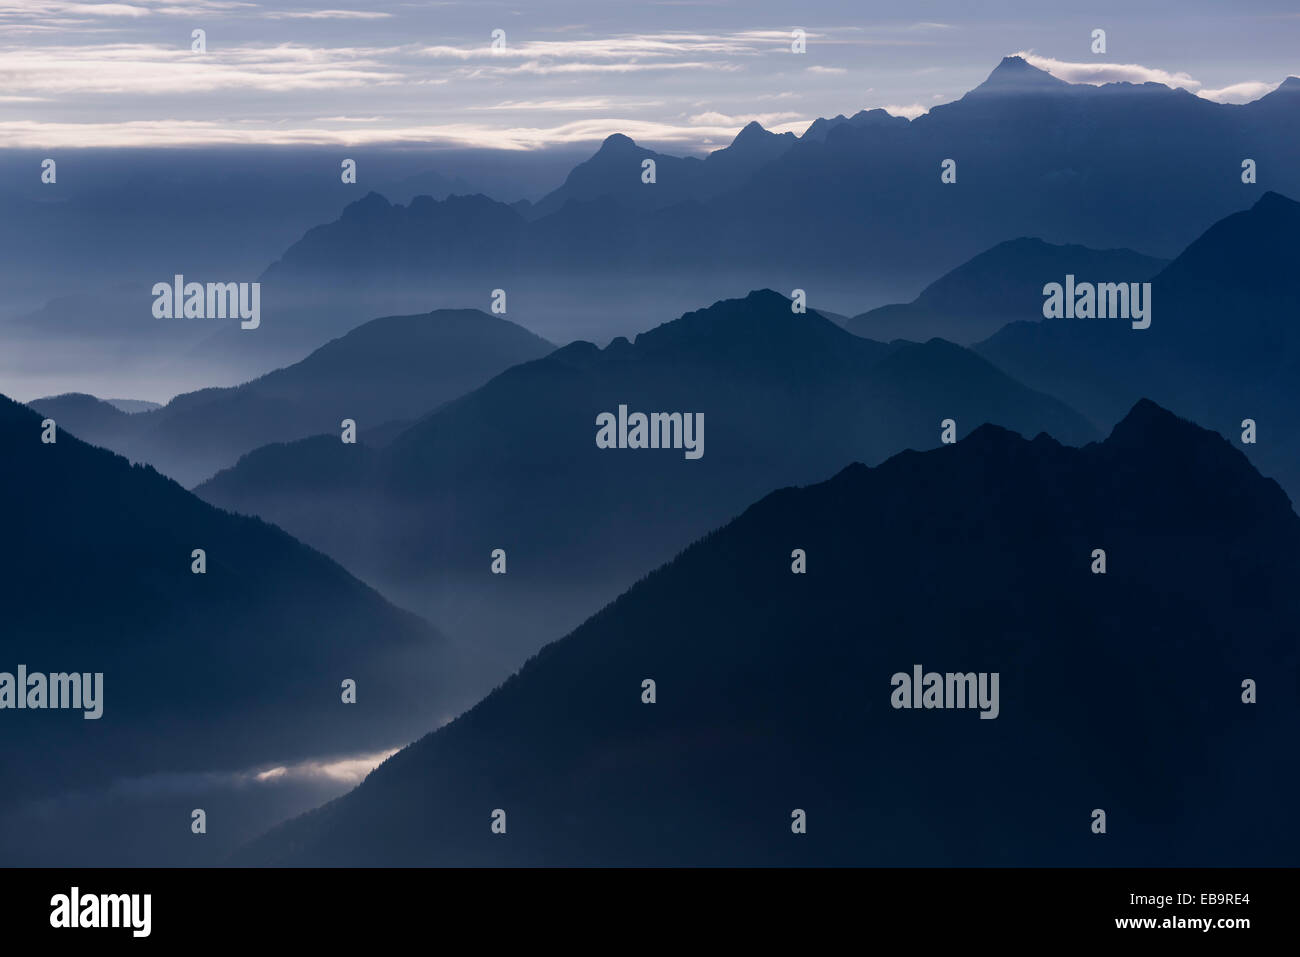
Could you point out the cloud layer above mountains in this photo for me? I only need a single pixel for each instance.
(570, 71)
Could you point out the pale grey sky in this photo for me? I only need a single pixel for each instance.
(680, 73)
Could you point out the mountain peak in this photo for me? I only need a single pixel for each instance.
(756, 144)
(372, 204)
(987, 435)
(1200, 460)
(761, 317)
(1249, 249)
(617, 142)
(1272, 200)
(1015, 74)
(1014, 65)
(1282, 95)
(71, 397)
(767, 297)
(1146, 414)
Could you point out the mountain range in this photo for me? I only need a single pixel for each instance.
(930, 484)
(999, 286)
(1032, 155)
(605, 254)
(776, 693)
(1222, 346)
(685, 179)
(786, 398)
(392, 369)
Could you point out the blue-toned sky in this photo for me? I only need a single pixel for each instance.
(680, 73)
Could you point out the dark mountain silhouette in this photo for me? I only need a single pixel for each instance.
(84, 414)
(614, 172)
(1119, 691)
(821, 126)
(1001, 285)
(752, 147)
(1222, 346)
(461, 231)
(1033, 154)
(515, 465)
(202, 672)
(400, 367)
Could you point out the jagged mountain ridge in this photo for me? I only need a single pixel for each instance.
(1119, 691)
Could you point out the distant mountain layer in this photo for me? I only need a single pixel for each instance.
(133, 405)
(785, 398)
(222, 670)
(775, 692)
(1001, 285)
(400, 367)
(1222, 347)
(853, 211)
(684, 179)
(856, 197)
